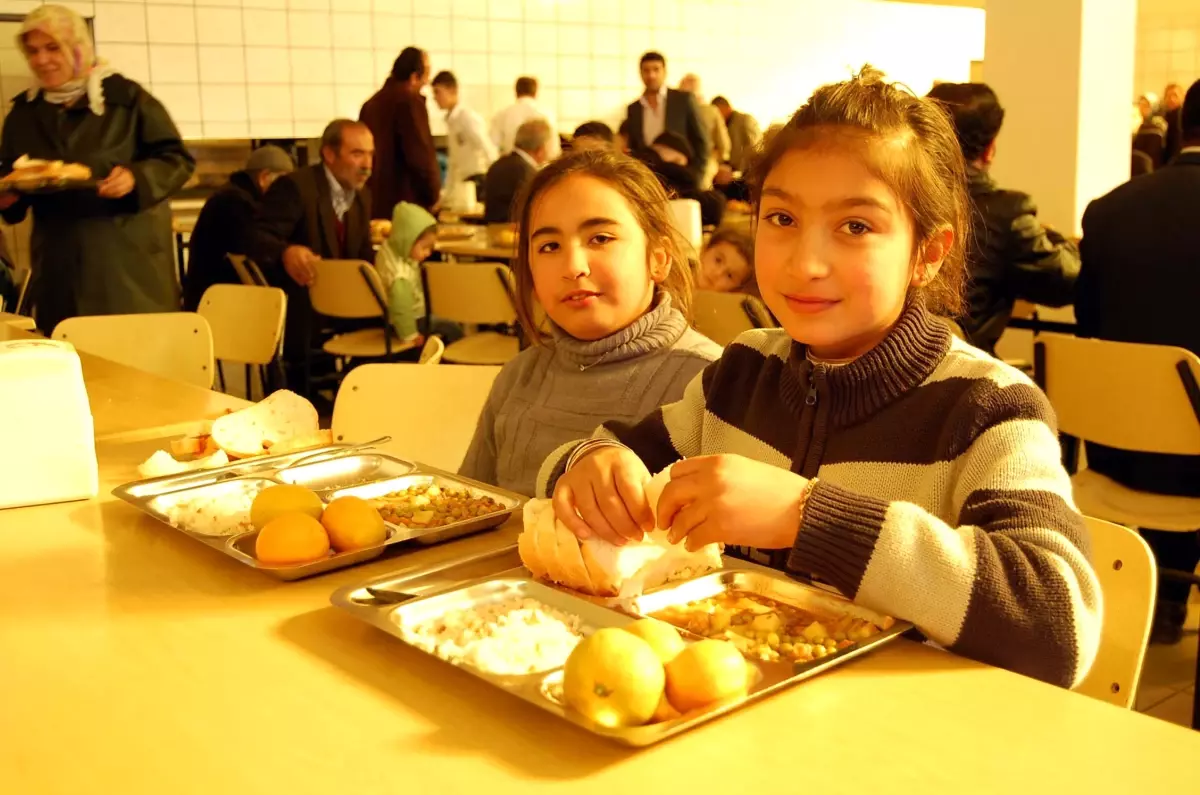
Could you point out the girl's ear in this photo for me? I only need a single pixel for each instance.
(931, 256)
(660, 264)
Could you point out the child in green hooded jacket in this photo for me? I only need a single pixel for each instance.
(414, 232)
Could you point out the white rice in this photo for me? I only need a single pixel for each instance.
(220, 510)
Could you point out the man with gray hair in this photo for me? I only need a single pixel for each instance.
(226, 221)
(506, 177)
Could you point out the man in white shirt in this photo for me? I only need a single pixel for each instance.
(661, 109)
(471, 150)
(526, 108)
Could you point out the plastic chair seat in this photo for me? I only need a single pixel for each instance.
(1105, 498)
(369, 343)
(488, 347)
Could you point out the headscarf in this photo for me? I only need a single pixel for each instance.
(71, 33)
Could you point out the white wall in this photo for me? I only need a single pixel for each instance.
(267, 68)
(1168, 44)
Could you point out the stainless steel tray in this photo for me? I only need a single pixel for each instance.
(544, 689)
(153, 495)
(425, 477)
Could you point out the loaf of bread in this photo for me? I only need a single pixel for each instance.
(273, 421)
(26, 168)
(593, 566)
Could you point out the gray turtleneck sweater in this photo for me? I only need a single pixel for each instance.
(553, 393)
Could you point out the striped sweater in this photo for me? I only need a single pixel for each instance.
(941, 495)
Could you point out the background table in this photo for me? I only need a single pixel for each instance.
(476, 246)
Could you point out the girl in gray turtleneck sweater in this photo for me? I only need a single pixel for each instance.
(598, 253)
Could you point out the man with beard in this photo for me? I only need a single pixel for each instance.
(319, 212)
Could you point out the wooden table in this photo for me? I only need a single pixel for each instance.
(128, 403)
(136, 660)
(477, 247)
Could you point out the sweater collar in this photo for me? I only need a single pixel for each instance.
(661, 327)
(903, 360)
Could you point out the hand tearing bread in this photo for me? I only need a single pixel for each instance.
(593, 566)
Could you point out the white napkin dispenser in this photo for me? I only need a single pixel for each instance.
(47, 442)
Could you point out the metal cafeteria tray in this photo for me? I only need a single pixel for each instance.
(342, 472)
(543, 689)
(424, 477)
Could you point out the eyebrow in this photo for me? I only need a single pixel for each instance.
(849, 202)
(588, 224)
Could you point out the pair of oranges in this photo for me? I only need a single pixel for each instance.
(295, 527)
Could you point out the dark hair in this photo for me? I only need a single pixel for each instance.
(594, 129)
(411, 61)
(720, 101)
(742, 239)
(975, 112)
(1189, 114)
(446, 79)
(647, 201)
(335, 131)
(673, 140)
(624, 127)
(527, 86)
(653, 56)
(922, 163)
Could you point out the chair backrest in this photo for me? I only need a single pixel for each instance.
(475, 292)
(247, 270)
(176, 345)
(1121, 394)
(246, 322)
(723, 316)
(348, 289)
(1128, 578)
(685, 217)
(430, 412)
(433, 351)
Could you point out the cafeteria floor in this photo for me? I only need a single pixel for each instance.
(1169, 674)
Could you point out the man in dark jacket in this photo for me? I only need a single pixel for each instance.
(226, 222)
(508, 175)
(405, 167)
(661, 109)
(1012, 255)
(1139, 283)
(320, 212)
(670, 157)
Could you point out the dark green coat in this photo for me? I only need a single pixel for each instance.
(94, 256)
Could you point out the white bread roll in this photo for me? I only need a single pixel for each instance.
(552, 552)
(278, 418)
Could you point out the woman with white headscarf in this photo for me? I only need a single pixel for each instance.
(106, 250)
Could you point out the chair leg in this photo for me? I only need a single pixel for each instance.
(1196, 693)
(262, 378)
(221, 375)
(249, 385)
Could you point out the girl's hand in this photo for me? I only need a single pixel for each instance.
(118, 183)
(732, 500)
(604, 494)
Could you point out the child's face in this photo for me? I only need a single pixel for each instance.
(723, 269)
(588, 257)
(422, 248)
(833, 251)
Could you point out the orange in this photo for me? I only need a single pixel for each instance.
(661, 636)
(706, 671)
(274, 501)
(614, 678)
(291, 539)
(353, 523)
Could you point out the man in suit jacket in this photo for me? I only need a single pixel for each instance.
(405, 167)
(661, 109)
(1139, 283)
(320, 212)
(508, 175)
(744, 134)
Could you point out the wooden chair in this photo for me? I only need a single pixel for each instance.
(430, 412)
(352, 290)
(247, 270)
(1128, 579)
(176, 345)
(479, 293)
(723, 316)
(433, 351)
(247, 327)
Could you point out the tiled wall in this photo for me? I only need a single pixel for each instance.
(1168, 45)
(268, 68)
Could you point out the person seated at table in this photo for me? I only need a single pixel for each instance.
(226, 222)
(508, 175)
(727, 262)
(598, 253)
(411, 242)
(861, 443)
(621, 144)
(668, 157)
(1012, 255)
(1139, 283)
(592, 135)
(318, 212)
